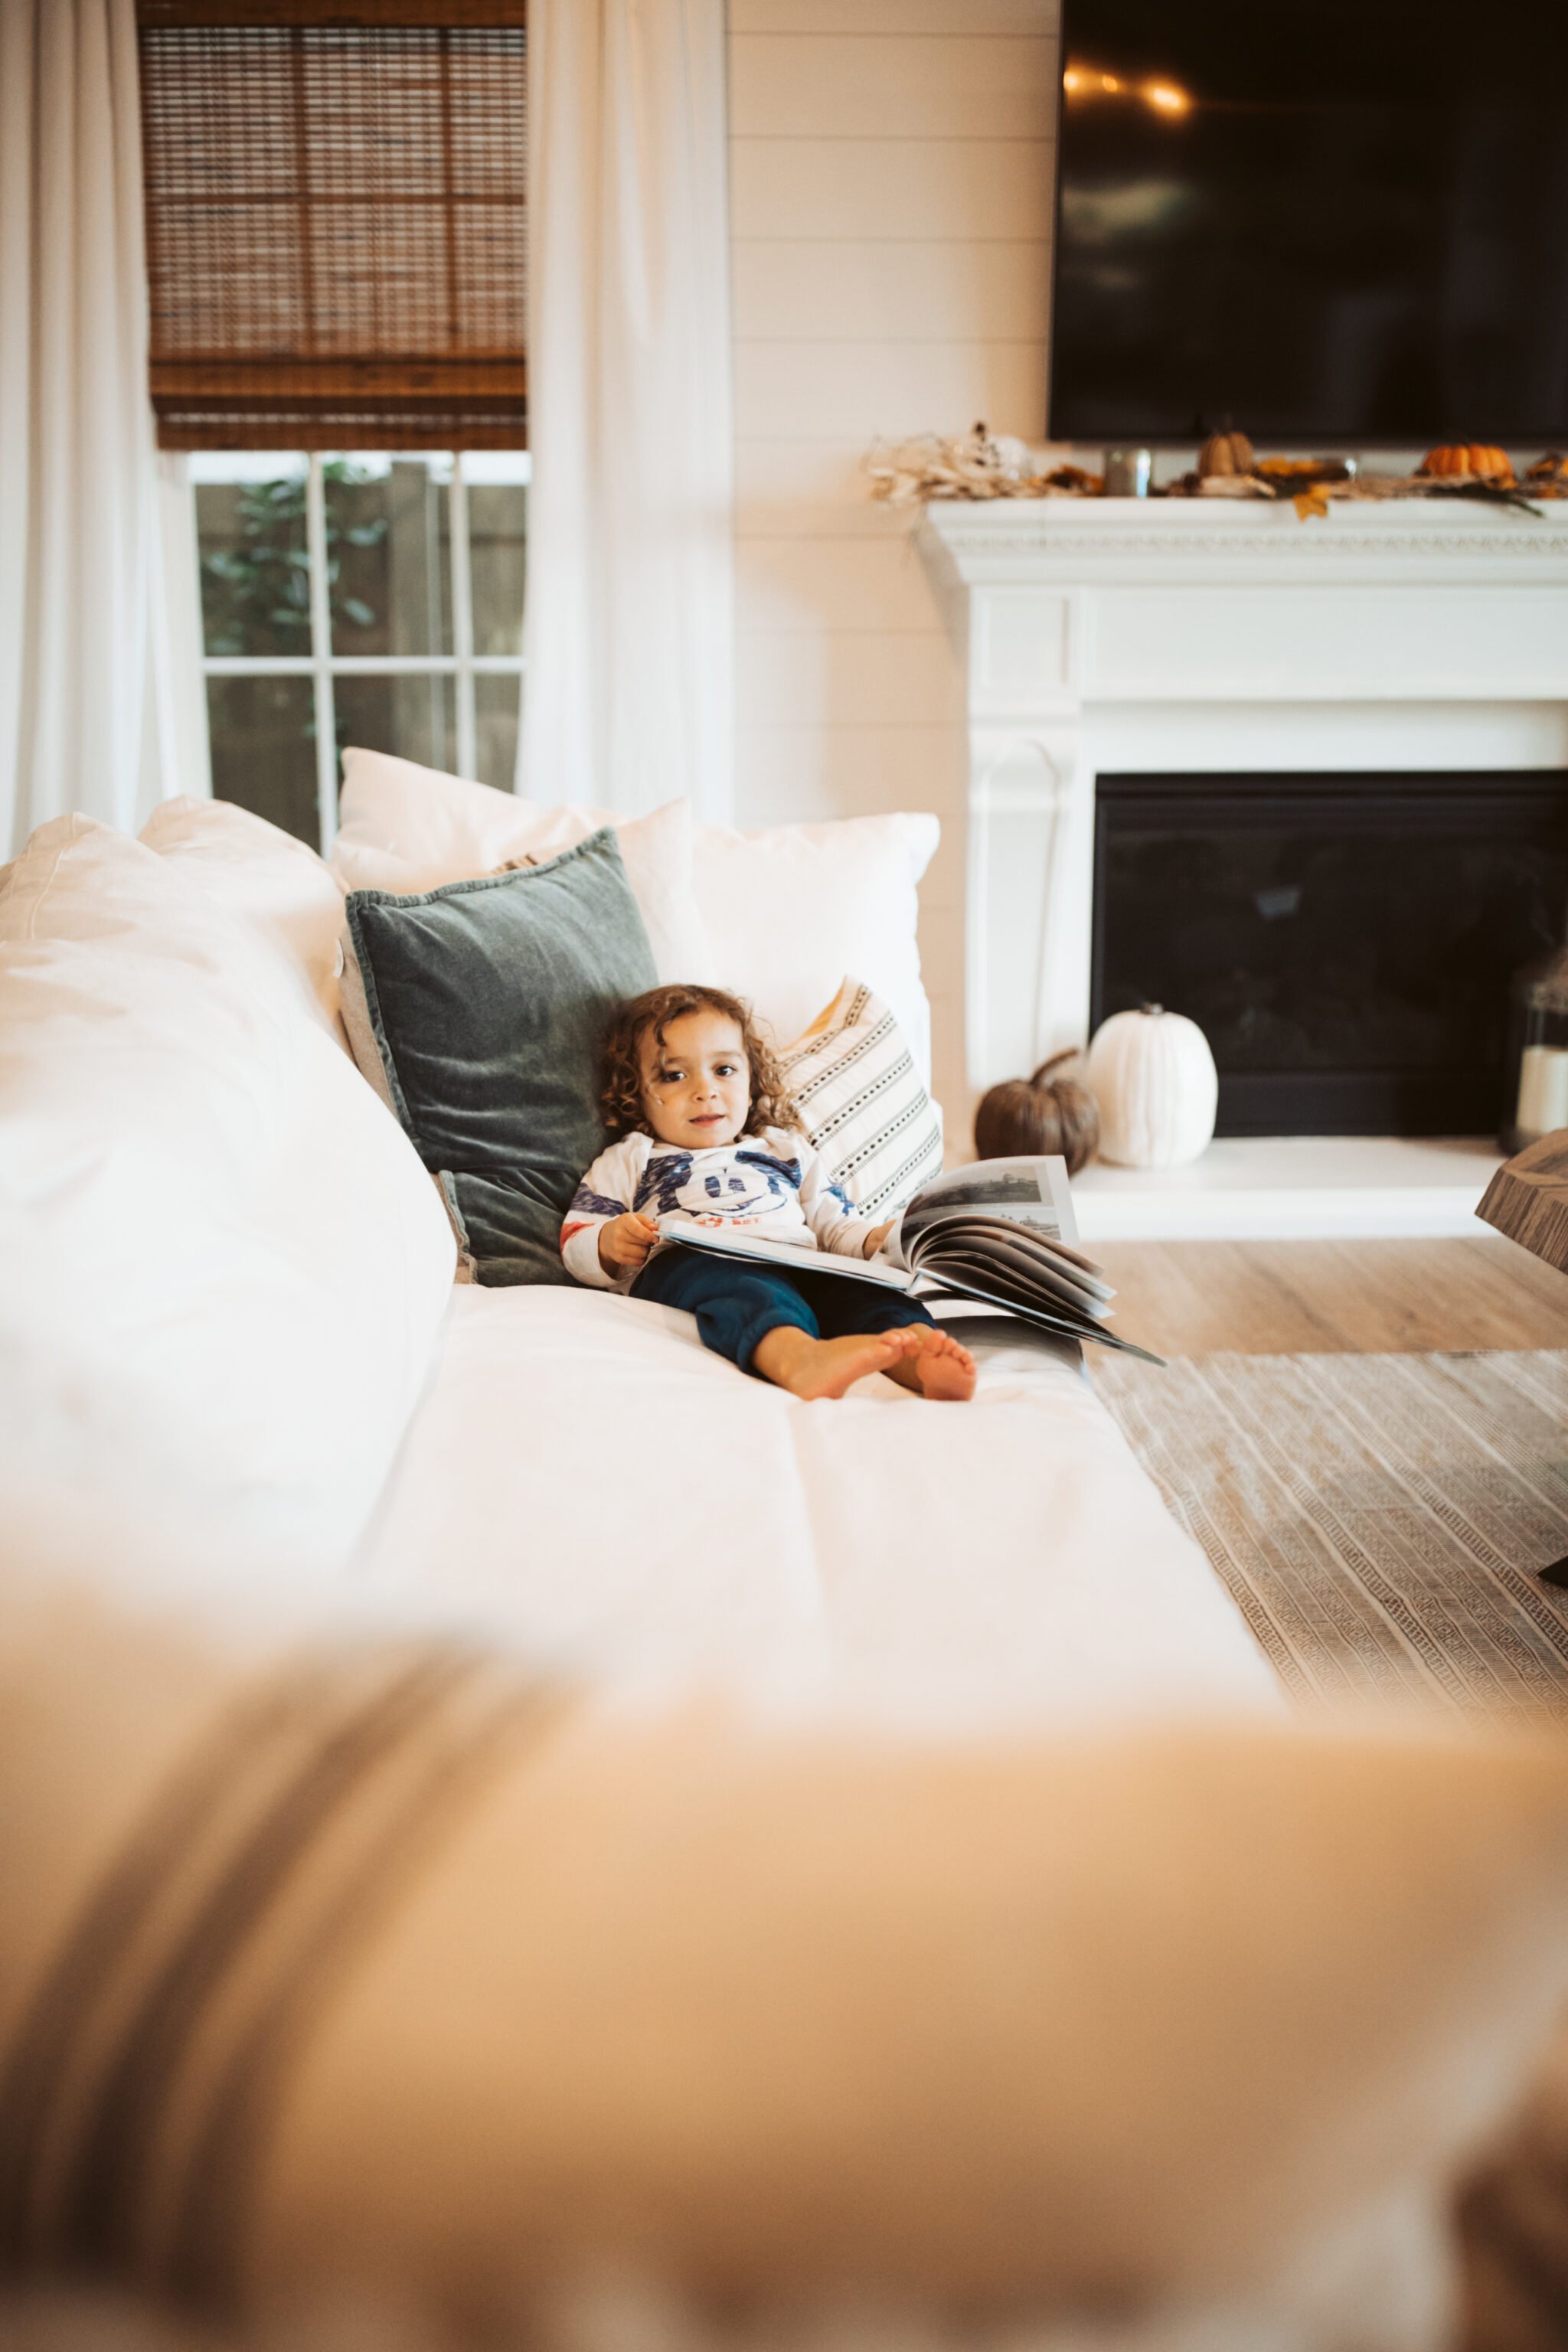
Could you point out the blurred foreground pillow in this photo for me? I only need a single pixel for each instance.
(439, 1985)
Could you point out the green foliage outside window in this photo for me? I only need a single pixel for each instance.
(258, 585)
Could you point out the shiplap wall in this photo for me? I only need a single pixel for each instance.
(891, 203)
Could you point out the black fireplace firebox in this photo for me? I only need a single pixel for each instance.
(1345, 942)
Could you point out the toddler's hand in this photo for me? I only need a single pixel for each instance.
(626, 1240)
(877, 1236)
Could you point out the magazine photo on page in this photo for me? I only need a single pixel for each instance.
(1000, 1232)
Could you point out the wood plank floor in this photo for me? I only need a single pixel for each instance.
(1324, 1297)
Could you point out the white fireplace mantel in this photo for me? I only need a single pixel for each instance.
(1187, 635)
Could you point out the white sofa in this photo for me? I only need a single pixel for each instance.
(227, 1279)
(835, 1850)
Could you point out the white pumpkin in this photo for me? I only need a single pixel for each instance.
(1154, 1080)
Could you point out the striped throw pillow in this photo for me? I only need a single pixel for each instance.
(863, 1102)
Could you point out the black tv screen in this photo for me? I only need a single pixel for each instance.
(1334, 226)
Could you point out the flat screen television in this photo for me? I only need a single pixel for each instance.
(1339, 226)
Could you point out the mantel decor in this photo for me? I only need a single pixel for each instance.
(982, 464)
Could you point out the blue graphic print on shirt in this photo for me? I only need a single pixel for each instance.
(661, 1181)
(587, 1202)
(788, 1170)
(670, 1186)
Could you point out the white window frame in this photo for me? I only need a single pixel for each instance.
(320, 665)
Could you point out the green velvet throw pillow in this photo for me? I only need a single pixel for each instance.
(489, 1001)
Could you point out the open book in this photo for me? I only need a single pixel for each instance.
(1001, 1232)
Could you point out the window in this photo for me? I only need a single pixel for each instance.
(337, 255)
(374, 599)
(337, 222)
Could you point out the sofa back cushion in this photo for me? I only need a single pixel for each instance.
(792, 909)
(488, 1001)
(779, 916)
(222, 1268)
(286, 899)
(405, 828)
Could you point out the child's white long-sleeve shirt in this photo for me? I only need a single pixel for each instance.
(771, 1184)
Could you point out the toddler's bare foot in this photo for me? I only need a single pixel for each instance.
(810, 1367)
(935, 1366)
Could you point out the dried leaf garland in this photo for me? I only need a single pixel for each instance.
(976, 465)
(980, 464)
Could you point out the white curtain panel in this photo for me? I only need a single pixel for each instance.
(90, 714)
(629, 695)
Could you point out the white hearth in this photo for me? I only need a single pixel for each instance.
(1179, 635)
(1287, 1188)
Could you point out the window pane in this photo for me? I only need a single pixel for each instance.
(264, 749)
(496, 704)
(255, 583)
(497, 554)
(414, 716)
(388, 560)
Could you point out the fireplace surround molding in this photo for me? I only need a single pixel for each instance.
(1176, 636)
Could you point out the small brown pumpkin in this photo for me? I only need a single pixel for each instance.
(1475, 461)
(1225, 453)
(1039, 1116)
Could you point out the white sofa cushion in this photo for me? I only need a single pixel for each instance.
(855, 1085)
(276, 887)
(222, 1268)
(777, 916)
(406, 828)
(1009, 1564)
(793, 909)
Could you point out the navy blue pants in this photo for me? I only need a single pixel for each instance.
(736, 1301)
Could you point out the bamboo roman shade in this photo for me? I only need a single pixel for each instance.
(336, 223)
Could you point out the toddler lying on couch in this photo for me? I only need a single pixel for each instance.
(705, 1134)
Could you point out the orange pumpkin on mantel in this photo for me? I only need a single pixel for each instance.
(1473, 460)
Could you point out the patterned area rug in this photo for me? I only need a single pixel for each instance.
(1377, 1518)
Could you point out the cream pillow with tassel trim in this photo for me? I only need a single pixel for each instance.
(866, 1108)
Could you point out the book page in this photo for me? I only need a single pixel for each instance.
(970, 1229)
(1028, 1191)
(802, 1257)
(995, 1259)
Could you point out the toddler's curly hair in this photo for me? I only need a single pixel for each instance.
(651, 1013)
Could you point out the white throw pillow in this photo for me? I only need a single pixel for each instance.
(855, 1085)
(778, 916)
(275, 885)
(792, 909)
(222, 1267)
(407, 829)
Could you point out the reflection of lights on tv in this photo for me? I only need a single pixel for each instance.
(1164, 97)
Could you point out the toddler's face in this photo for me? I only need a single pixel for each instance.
(697, 1086)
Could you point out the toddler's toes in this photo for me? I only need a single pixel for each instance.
(947, 1371)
